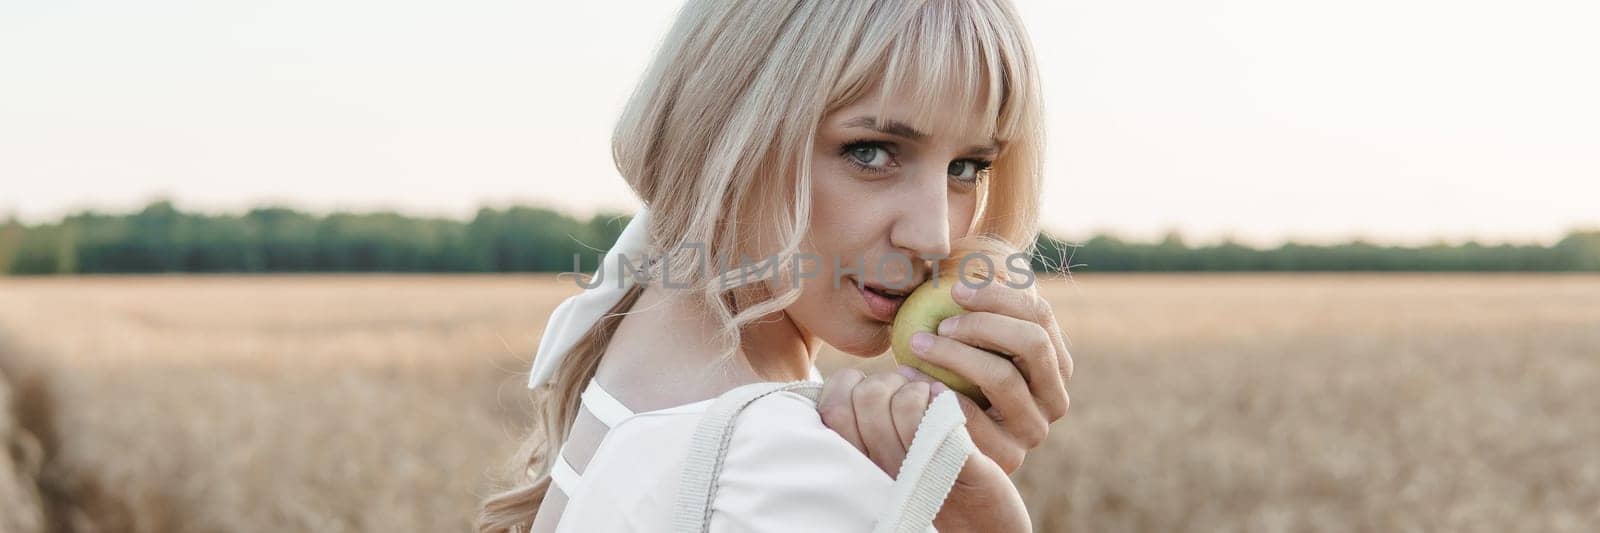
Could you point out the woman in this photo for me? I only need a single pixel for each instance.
(846, 132)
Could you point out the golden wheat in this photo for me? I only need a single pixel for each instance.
(1202, 402)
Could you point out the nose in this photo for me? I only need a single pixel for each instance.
(922, 227)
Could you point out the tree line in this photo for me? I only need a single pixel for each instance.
(161, 238)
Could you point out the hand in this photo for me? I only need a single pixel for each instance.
(879, 415)
(1011, 347)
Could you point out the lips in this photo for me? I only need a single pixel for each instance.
(882, 302)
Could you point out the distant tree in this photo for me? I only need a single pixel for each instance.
(162, 238)
(10, 242)
(1580, 250)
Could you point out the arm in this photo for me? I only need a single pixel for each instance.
(879, 415)
(983, 499)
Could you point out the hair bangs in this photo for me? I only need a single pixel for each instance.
(947, 56)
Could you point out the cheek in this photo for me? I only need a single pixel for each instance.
(962, 209)
(834, 233)
(843, 215)
(844, 225)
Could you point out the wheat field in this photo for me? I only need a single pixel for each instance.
(1310, 402)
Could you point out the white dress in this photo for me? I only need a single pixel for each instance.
(785, 471)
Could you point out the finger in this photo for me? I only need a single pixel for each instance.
(908, 405)
(997, 297)
(934, 385)
(1011, 403)
(1024, 303)
(836, 408)
(990, 438)
(1066, 356)
(1059, 339)
(871, 398)
(912, 374)
(1029, 347)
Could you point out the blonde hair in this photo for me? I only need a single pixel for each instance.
(717, 139)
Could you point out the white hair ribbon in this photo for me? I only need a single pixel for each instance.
(577, 314)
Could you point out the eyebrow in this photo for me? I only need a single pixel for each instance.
(901, 129)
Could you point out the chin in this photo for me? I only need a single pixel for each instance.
(866, 340)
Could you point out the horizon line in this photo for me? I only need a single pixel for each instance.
(1188, 237)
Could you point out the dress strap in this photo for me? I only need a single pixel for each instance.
(697, 484)
(562, 474)
(603, 405)
(936, 456)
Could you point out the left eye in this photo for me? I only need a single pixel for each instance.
(967, 169)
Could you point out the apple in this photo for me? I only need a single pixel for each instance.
(923, 309)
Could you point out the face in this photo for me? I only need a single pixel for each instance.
(885, 197)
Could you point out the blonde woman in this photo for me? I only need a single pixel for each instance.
(842, 131)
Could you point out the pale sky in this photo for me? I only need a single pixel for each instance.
(1401, 121)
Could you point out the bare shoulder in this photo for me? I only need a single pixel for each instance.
(661, 354)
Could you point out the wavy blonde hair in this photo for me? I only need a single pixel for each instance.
(717, 140)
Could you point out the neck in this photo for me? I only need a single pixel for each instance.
(777, 349)
(665, 353)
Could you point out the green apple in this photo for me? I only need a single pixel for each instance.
(923, 309)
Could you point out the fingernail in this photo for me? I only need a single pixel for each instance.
(920, 341)
(939, 387)
(962, 291)
(916, 374)
(947, 326)
(906, 371)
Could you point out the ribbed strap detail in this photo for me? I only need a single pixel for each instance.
(937, 453)
(936, 456)
(709, 447)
